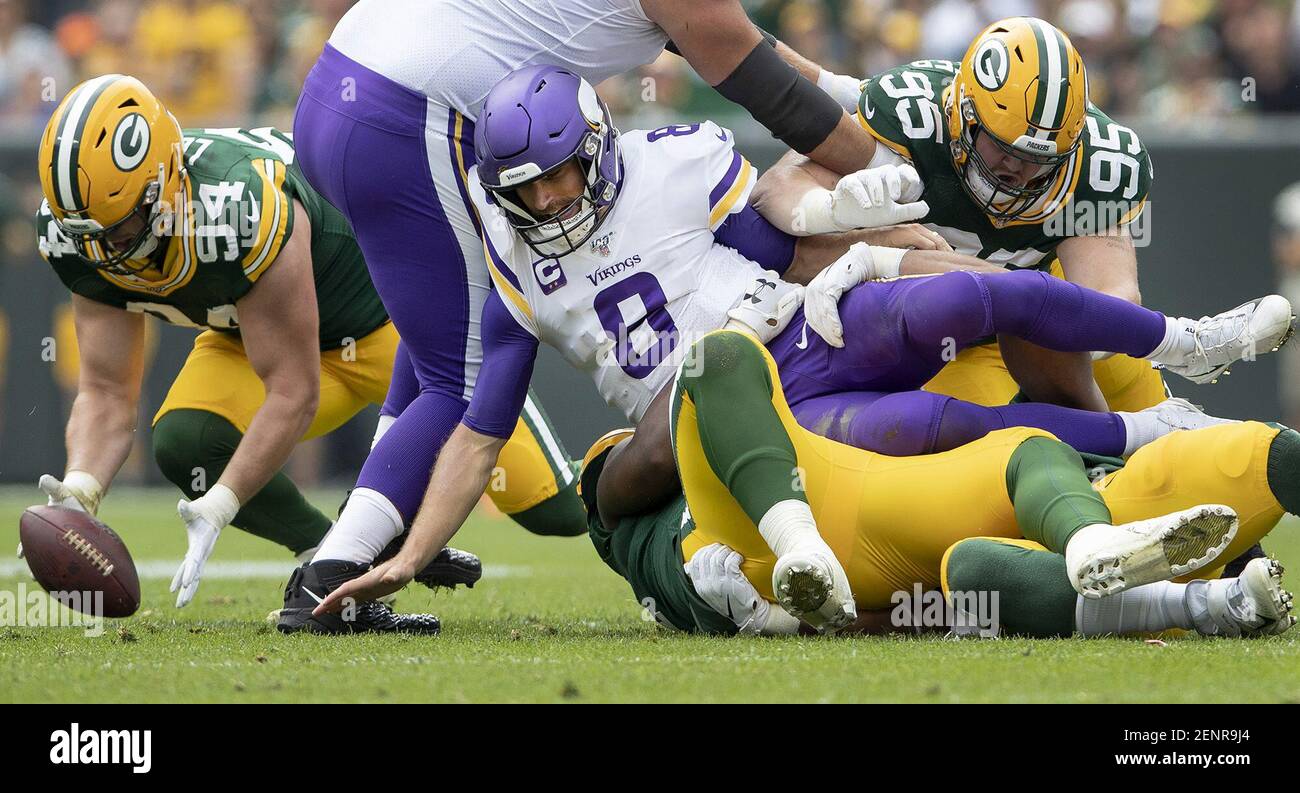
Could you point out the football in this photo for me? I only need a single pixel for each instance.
(70, 551)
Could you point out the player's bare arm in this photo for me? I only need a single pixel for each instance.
(102, 425)
(724, 47)
(279, 326)
(1106, 263)
(803, 198)
(279, 323)
(461, 474)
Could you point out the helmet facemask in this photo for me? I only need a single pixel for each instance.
(999, 199)
(93, 239)
(564, 232)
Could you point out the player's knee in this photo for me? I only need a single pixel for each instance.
(1039, 456)
(960, 422)
(192, 447)
(1284, 470)
(561, 515)
(725, 357)
(969, 565)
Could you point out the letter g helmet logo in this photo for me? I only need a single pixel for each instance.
(130, 142)
(991, 64)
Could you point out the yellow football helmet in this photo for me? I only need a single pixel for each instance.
(1023, 85)
(109, 157)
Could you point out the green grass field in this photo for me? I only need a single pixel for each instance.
(549, 623)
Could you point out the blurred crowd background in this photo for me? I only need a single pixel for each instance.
(1172, 69)
(222, 62)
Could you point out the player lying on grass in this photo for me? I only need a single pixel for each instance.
(591, 260)
(1013, 512)
(216, 229)
(1018, 168)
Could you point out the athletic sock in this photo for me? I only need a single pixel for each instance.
(1179, 341)
(743, 438)
(368, 523)
(1051, 494)
(381, 427)
(1284, 470)
(789, 525)
(1140, 428)
(1146, 609)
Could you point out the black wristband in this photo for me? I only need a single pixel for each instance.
(778, 97)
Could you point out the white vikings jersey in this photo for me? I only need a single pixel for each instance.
(627, 305)
(454, 51)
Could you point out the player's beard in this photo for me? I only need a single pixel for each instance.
(565, 236)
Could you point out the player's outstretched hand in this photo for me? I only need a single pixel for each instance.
(77, 490)
(383, 580)
(204, 518)
(880, 196)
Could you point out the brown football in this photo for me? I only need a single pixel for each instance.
(70, 551)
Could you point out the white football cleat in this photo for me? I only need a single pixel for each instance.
(1246, 331)
(1252, 604)
(1176, 414)
(1261, 584)
(1102, 560)
(811, 584)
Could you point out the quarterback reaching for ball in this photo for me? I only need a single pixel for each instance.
(619, 250)
(1013, 513)
(385, 131)
(217, 229)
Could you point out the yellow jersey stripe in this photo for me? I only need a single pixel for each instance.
(275, 218)
(901, 151)
(724, 206)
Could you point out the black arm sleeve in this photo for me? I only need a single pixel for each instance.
(778, 97)
(671, 46)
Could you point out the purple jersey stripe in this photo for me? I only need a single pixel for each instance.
(723, 186)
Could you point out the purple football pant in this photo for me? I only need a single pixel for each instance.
(394, 163)
(899, 334)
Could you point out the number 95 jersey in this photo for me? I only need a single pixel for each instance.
(1103, 187)
(627, 304)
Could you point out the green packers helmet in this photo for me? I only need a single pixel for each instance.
(110, 154)
(1023, 86)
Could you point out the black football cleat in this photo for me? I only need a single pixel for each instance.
(450, 568)
(311, 583)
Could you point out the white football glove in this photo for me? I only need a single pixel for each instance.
(767, 307)
(882, 196)
(204, 518)
(714, 571)
(861, 263)
(78, 490)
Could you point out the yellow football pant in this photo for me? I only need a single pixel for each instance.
(217, 377)
(888, 519)
(891, 520)
(1227, 464)
(979, 375)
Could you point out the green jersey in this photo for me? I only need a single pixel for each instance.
(233, 216)
(1104, 186)
(647, 552)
